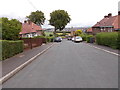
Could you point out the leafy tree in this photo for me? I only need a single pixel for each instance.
(10, 29)
(59, 19)
(37, 17)
(0, 28)
(78, 32)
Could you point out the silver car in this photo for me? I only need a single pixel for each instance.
(78, 39)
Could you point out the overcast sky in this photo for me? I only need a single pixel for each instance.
(82, 12)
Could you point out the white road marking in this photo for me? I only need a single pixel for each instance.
(9, 75)
(105, 50)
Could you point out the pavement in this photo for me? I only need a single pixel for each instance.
(105, 47)
(69, 65)
(12, 63)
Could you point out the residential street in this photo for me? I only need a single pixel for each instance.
(69, 65)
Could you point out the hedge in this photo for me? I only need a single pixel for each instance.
(39, 37)
(88, 38)
(11, 48)
(49, 39)
(83, 36)
(111, 39)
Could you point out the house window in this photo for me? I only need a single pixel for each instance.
(104, 29)
(111, 30)
(101, 29)
(27, 35)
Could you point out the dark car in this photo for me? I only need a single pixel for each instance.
(58, 39)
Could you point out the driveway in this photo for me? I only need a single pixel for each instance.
(69, 65)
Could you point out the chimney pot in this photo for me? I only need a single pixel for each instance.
(29, 21)
(25, 21)
(110, 14)
(105, 16)
(118, 12)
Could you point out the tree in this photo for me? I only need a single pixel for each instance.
(0, 28)
(59, 19)
(78, 32)
(10, 29)
(37, 17)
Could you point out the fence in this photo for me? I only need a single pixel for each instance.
(29, 43)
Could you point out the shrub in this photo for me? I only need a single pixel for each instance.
(83, 36)
(11, 48)
(88, 38)
(78, 32)
(39, 37)
(10, 29)
(110, 39)
(63, 37)
(49, 39)
(50, 35)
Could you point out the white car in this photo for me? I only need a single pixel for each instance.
(60, 38)
(73, 38)
(78, 39)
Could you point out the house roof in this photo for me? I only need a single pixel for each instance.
(116, 22)
(89, 30)
(29, 27)
(111, 21)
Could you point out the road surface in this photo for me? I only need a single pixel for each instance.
(69, 65)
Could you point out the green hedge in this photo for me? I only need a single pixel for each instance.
(110, 39)
(88, 37)
(39, 37)
(83, 36)
(11, 48)
(49, 39)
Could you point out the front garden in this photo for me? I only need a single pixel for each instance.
(110, 39)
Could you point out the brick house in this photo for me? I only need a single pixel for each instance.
(30, 29)
(108, 24)
(89, 31)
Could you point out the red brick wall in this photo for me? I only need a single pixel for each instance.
(33, 42)
(97, 30)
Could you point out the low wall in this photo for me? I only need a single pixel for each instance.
(30, 43)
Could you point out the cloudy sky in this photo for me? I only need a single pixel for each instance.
(82, 12)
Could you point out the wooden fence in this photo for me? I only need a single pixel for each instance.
(30, 43)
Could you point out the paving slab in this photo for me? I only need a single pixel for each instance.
(106, 48)
(11, 63)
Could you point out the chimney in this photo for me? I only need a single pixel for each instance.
(110, 14)
(118, 12)
(105, 16)
(29, 22)
(25, 21)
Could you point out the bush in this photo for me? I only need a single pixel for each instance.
(49, 39)
(11, 48)
(83, 36)
(10, 29)
(110, 39)
(39, 37)
(88, 38)
(63, 37)
(51, 35)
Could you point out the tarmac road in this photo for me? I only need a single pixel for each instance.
(69, 65)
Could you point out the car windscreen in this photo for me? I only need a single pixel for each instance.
(78, 37)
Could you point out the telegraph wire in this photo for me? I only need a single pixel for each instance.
(32, 4)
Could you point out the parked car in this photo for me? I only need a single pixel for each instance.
(73, 38)
(78, 39)
(69, 38)
(58, 39)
